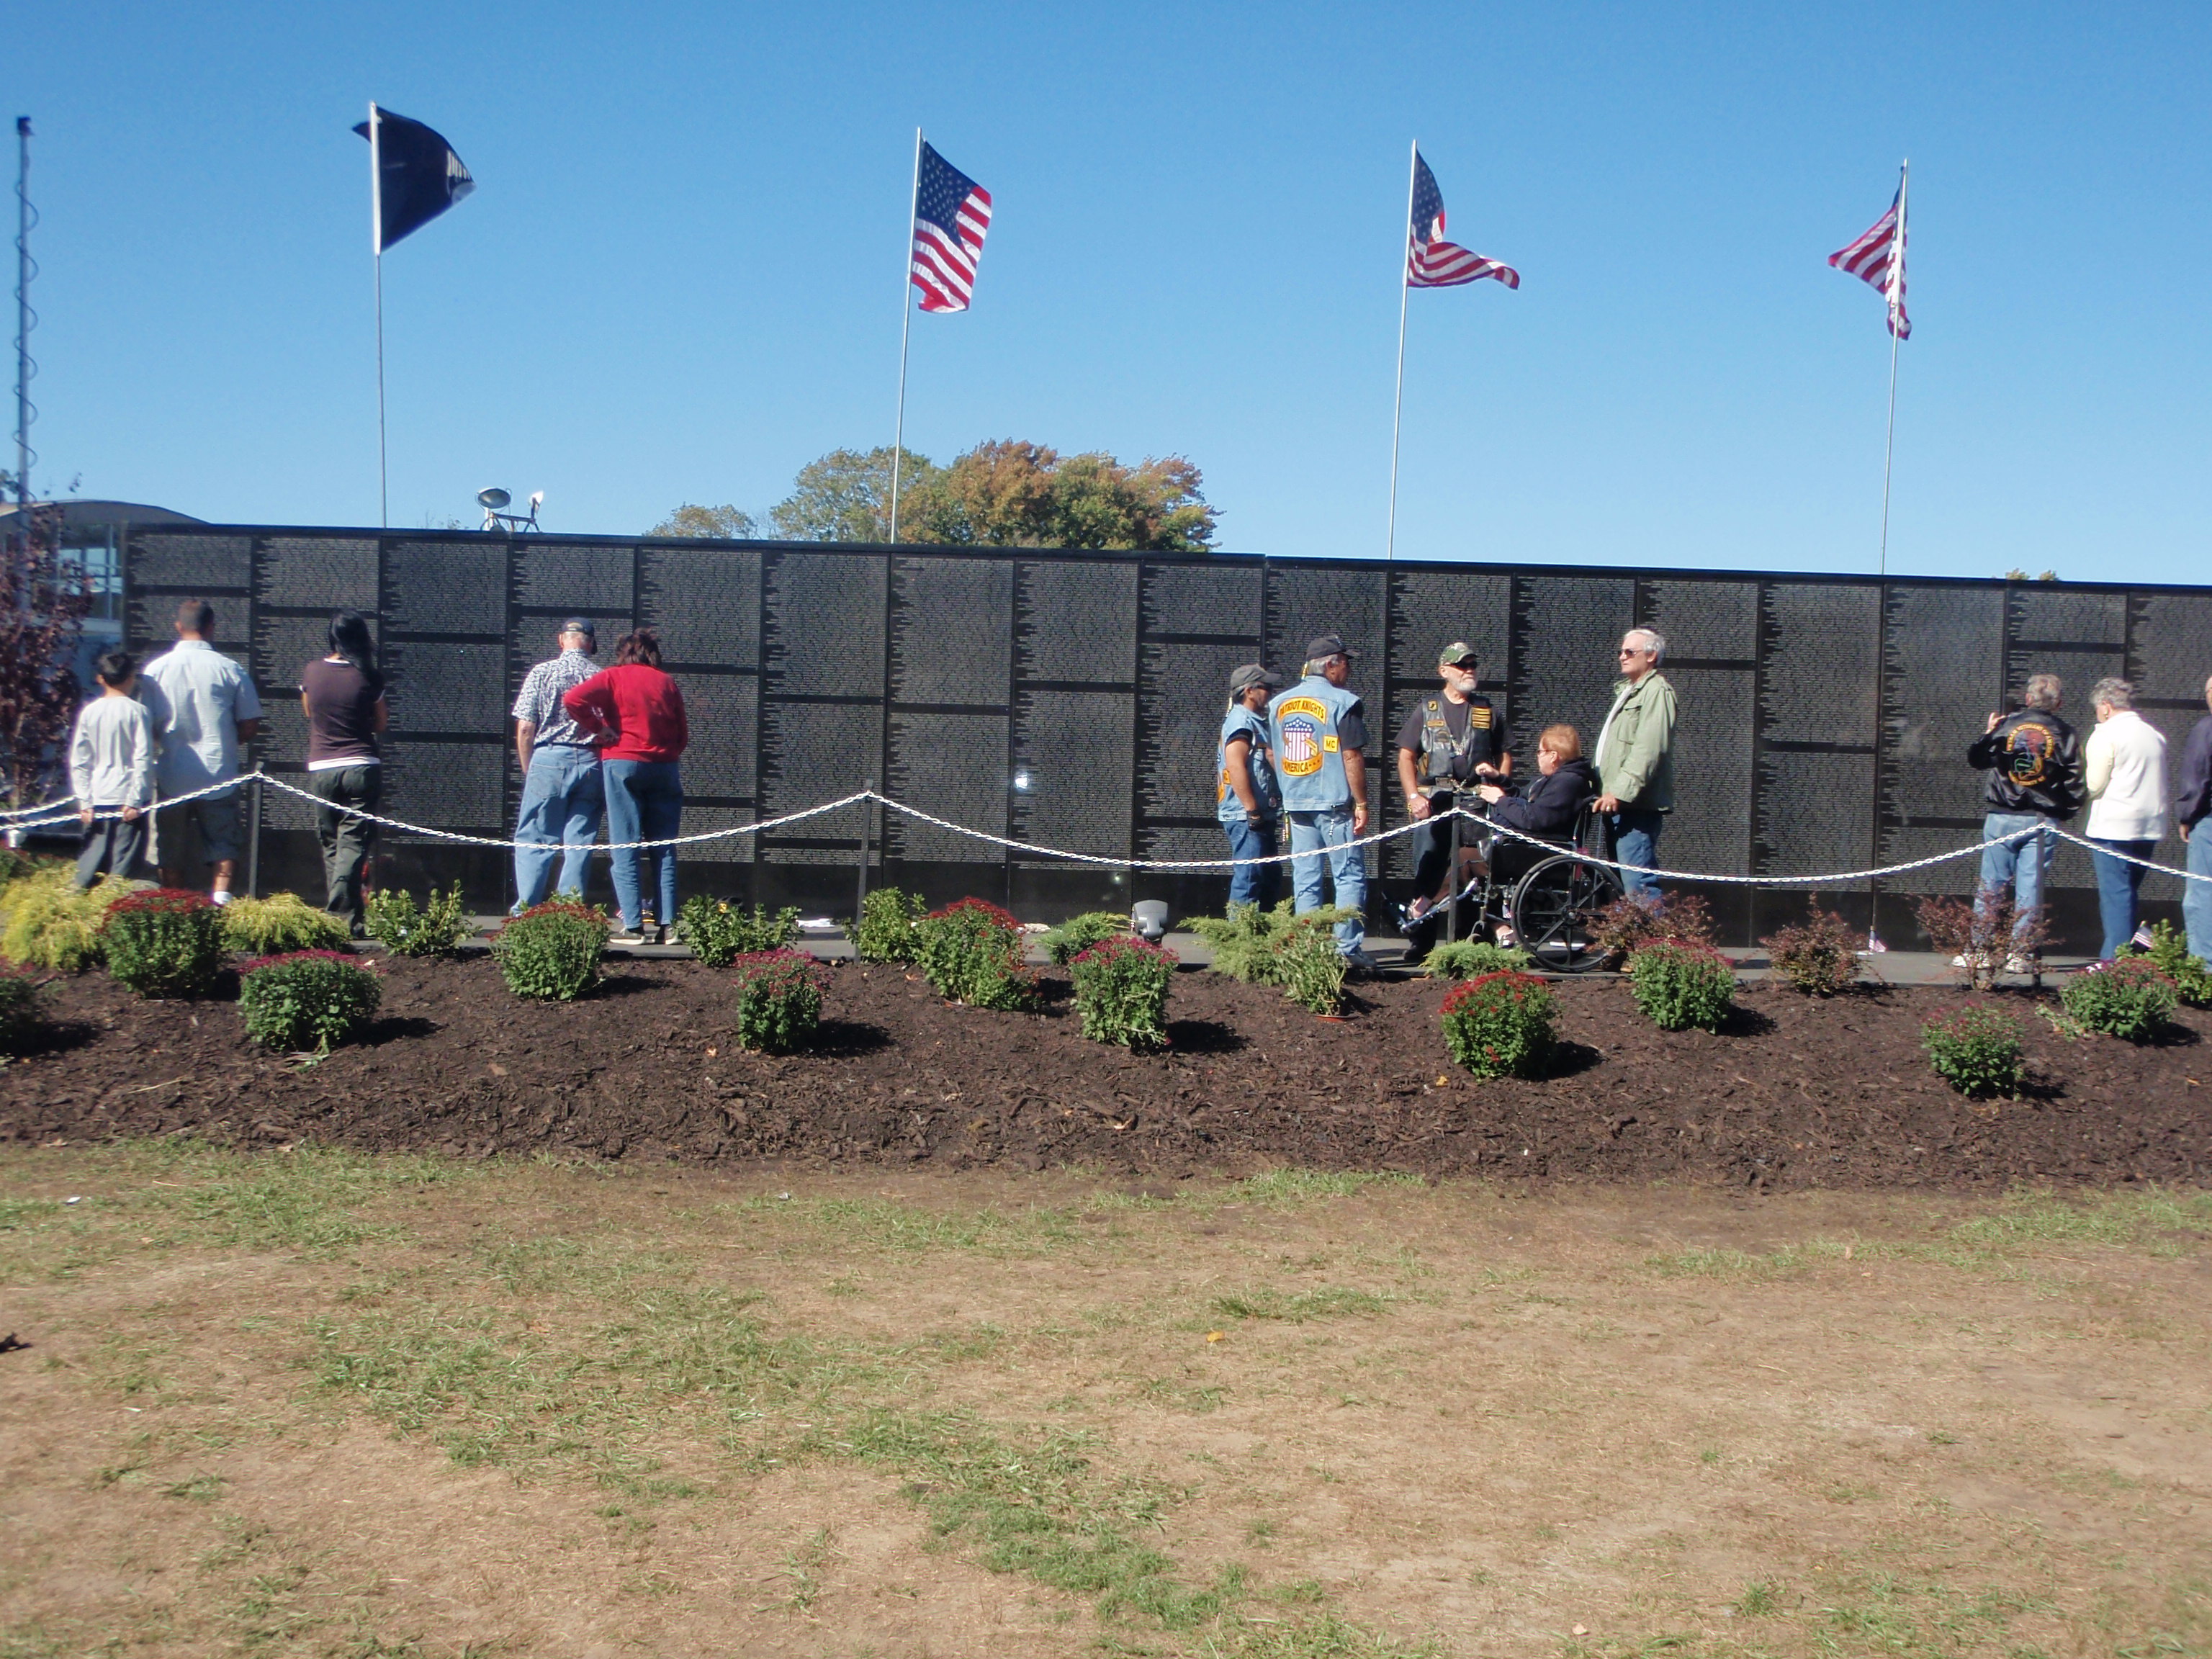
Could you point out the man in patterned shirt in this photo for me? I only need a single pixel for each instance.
(561, 797)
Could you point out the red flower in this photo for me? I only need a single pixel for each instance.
(160, 899)
(259, 963)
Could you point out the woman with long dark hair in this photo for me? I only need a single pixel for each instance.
(342, 696)
(641, 710)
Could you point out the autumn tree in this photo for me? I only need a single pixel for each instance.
(846, 497)
(725, 523)
(44, 597)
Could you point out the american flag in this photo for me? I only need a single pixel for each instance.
(1430, 261)
(951, 213)
(1877, 259)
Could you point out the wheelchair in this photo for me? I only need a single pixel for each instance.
(1550, 892)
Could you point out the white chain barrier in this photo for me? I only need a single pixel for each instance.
(1822, 879)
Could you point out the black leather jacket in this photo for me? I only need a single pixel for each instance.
(2034, 764)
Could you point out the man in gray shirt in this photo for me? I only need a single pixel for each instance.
(205, 712)
(562, 795)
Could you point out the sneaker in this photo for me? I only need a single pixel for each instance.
(2017, 964)
(629, 937)
(1505, 937)
(1959, 962)
(221, 895)
(1359, 964)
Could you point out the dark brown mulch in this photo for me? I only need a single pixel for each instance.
(1793, 1094)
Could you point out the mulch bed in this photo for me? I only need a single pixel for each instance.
(1794, 1094)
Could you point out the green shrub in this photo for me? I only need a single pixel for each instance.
(306, 999)
(1501, 1025)
(971, 952)
(164, 942)
(2126, 998)
(1121, 992)
(45, 922)
(1063, 943)
(19, 1009)
(1310, 967)
(1976, 1052)
(778, 999)
(1818, 955)
(2169, 954)
(436, 929)
(719, 931)
(1626, 926)
(1249, 943)
(1471, 959)
(1681, 985)
(551, 952)
(13, 865)
(886, 929)
(281, 924)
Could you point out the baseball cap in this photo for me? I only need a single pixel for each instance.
(580, 625)
(1243, 679)
(1455, 654)
(1327, 645)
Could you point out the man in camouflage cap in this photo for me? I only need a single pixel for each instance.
(1451, 741)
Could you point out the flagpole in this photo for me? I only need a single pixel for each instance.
(906, 322)
(1398, 397)
(376, 251)
(1896, 284)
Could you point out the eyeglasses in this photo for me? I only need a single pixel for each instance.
(1631, 651)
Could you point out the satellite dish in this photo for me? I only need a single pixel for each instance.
(493, 499)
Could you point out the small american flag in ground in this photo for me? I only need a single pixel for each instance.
(1430, 261)
(1877, 259)
(951, 213)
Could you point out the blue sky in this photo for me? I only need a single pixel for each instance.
(675, 280)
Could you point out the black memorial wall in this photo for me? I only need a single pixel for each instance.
(1825, 720)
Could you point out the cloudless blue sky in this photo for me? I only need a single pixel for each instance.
(675, 279)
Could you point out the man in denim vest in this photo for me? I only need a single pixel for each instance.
(1248, 801)
(1319, 729)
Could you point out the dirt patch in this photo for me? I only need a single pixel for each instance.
(1793, 1094)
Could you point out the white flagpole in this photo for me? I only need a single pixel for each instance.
(376, 250)
(1398, 397)
(1895, 284)
(906, 322)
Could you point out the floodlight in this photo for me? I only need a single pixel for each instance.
(1148, 919)
(493, 499)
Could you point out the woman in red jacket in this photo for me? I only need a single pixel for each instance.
(640, 711)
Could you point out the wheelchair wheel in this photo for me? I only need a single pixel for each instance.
(1555, 911)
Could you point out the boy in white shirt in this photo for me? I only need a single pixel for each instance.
(112, 770)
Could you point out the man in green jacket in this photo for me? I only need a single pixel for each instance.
(1635, 760)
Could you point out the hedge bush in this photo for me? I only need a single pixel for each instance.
(2125, 998)
(1121, 992)
(19, 1009)
(306, 999)
(551, 952)
(45, 922)
(1063, 943)
(778, 999)
(971, 952)
(1626, 926)
(886, 930)
(436, 928)
(1977, 1051)
(1501, 1025)
(281, 924)
(1681, 985)
(2169, 954)
(719, 931)
(1471, 959)
(1276, 947)
(1309, 968)
(1818, 955)
(164, 942)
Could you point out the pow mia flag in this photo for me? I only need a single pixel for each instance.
(417, 175)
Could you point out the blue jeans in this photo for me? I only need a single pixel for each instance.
(561, 800)
(1253, 884)
(2118, 882)
(645, 802)
(1310, 834)
(1636, 841)
(2196, 900)
(2017, 867)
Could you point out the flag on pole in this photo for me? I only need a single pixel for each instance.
(952, 214)
(1877, 259)
(1430, 261)
(419, 174)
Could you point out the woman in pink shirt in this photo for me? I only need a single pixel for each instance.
(640, 710)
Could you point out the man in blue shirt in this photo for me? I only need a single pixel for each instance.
(1248, 799)
(1319, 729)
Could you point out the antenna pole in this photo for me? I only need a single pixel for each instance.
(1896, 286)
(25, 268)
(906, 322)
(1398, 397)
(376, 249)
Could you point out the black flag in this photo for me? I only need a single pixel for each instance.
(420, 175)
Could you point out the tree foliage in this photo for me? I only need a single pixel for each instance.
(43, 596)
(723, 523)
(846, 497)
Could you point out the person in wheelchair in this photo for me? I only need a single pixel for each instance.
(1549, 809)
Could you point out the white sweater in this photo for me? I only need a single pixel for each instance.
(2124, 767)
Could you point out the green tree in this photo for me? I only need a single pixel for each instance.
(846, 497)
(725, 523)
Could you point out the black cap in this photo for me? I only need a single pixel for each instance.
(1327, 645)
(580, 625)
